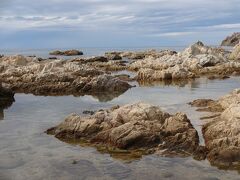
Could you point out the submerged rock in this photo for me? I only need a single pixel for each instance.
(232, 40)
(66, 53)
(221, 133)
(131, 127)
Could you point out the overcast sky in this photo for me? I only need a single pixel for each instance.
(115, 23)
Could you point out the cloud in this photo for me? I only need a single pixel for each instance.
(156, 18)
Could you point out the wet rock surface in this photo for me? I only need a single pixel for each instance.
(137, 126)
(72, 52)
(195, 61)
(232, 40)
(221, 133)
(57, 77)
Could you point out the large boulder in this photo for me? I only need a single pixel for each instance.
(131, 127)
(232, 40)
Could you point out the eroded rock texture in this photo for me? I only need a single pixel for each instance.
(134, 126)
(57, 77)
(222, 133)
(197, 60)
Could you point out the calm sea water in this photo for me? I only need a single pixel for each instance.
(26, 152)
(44, 53)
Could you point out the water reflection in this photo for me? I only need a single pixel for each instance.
(4, 104)
(1, 114)
(28, 153)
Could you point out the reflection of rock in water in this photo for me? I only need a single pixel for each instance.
(180, 83)
(104, 97)
(101, 96)
(1, 114)
(6, 100)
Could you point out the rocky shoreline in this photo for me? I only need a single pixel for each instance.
(93, 75)
(136, 127)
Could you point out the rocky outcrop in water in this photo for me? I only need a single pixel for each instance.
(131, 127)
(57, 77)
(232, 40)
(72, 52)
(197, 60)
(221, 133)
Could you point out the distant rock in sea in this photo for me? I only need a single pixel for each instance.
(232, 40)
(72, 52)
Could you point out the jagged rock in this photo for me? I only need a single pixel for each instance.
(232, 40)
(195, 61)
(221, 134)
(58, 77)
(132, 127)
(66, 53)
(235, 55)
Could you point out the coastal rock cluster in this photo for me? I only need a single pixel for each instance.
(197, 60)
(221, 132)
(57, 77)
(133, 126)
(232, 40)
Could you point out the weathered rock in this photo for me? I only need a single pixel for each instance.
(195, 61)
(66, 53)
(221, 134)
(58, 77)
(132, 127)
(235, 55)
(232, 40)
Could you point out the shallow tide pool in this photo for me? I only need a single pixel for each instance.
(26, 152)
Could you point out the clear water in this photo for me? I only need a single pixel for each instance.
(26, 152)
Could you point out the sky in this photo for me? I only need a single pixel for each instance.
(115, 23)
